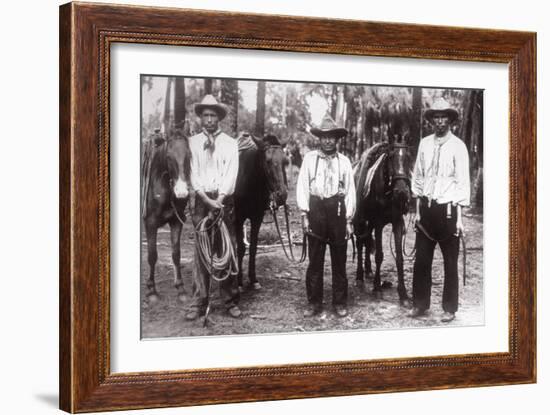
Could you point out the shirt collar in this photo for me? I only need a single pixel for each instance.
(216, 133)
(442, 140)
(327, 156)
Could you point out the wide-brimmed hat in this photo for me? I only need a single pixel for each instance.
(329, 128)
(209, 102)
(440, 105)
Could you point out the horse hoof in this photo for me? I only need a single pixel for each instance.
(153, 298)
(256, 286)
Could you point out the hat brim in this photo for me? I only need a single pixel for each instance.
(451, 113)
(219, 108)
(334, 132)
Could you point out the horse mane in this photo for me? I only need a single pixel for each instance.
(368, 158)
(271, 140)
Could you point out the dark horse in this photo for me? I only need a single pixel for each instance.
(166, 192)
(386, 202)
(261, 184)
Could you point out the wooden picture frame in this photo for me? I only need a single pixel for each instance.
(86, 33)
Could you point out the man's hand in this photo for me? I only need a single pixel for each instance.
(417, 213)
(305, 224)
(460, 227)
(349, 230)
(214, 204)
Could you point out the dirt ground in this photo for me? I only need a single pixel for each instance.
(278, 306)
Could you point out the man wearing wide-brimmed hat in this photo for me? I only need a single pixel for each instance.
(441, 185)
(326, 197)
(214, 167)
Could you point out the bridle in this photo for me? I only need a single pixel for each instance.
(164, 155)
(399, 153)
(273, 207)
(267, 173)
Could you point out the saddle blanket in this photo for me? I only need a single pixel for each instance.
(370, 175)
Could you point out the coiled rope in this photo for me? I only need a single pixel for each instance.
(219, 265)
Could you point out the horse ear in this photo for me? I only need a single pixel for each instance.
(257, 141)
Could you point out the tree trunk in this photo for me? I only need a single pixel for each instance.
(359, 137)
(167, 107)
(283, 107)
(260, 110)
(339, 116)
(207, 86)
(230, 97)
(355, 123)
(334, 102)
(179, 102)
(416, 124)
(471, 131)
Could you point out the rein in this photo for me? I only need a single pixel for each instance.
(290, 253)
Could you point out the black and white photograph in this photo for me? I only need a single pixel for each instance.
(274, 206)
(146, 271)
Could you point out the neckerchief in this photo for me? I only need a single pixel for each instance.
(329, 179)
(209, 144)
(327, 156)
(434, 167)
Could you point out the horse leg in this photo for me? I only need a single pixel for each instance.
(254, 231)
(152, 256)
(175, 235)
(241, 249)
(369, 245)
(359, 241)
(398, 231)
(360, 278)
(378, 257)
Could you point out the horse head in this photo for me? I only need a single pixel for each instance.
(178, 166)
(275, 161)
(399, 176)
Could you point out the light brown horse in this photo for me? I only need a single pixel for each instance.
(166, 193)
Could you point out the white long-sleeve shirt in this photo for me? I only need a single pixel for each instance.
(215, 170)
(442, 174)
(334, 175)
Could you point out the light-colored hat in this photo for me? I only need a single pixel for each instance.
(328, 128)
(440, 105)
(209, 102)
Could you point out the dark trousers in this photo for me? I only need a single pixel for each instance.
(327, 225)
(201, 276)
(441, 230)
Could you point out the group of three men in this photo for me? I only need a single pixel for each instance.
(326, 198)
